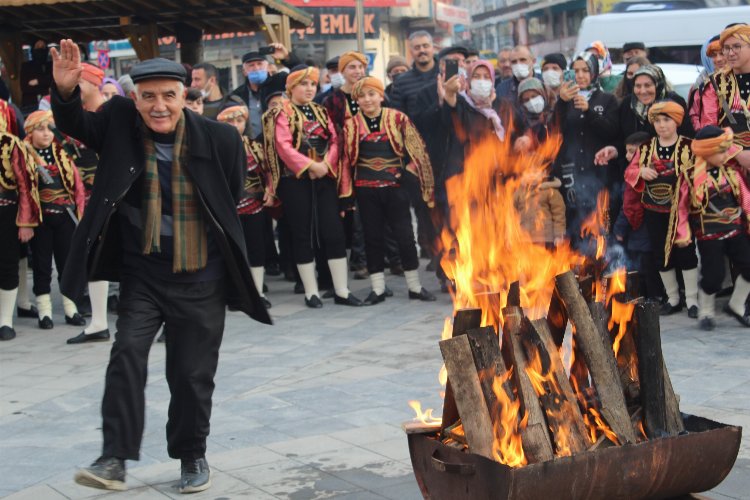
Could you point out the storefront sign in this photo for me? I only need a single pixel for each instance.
(340, 23)
(452, 15)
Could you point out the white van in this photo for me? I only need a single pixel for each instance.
(672, 36)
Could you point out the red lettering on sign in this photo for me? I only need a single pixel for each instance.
(369, 23)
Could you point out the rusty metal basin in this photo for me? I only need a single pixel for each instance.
(661, 468)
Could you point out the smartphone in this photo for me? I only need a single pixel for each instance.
(569, 75)
(267, 50)
(451, 68)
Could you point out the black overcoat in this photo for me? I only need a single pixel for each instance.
(216, 165)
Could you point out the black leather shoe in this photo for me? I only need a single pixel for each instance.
(374, 298)
(707, 324)
(299, 288)
(90, 337)
(195, 475)
(31, 312)
(743, 320)
(75, 320)
(422, 295)
(7, 333)
(107, 473)
(46, 323)
(313, 302)
(693, 312)
(266, 302)
(388, 292)
(668, 309)
(350, 300)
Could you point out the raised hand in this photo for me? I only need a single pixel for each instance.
(605, 155)
(66, 67)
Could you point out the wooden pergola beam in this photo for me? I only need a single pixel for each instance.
(143, 37)
(12, 55)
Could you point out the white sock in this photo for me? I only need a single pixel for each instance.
(309, 281)
(707, 304)
(340, 276)
(258, 273)
(690, 278)
(98, 295)
(23, 284)
(412, 281)
(69, 307)
(739, 295)
(44, 304)
(669, 279)
(7, 306)
(377, 280)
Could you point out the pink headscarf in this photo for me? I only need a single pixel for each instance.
(484, 106)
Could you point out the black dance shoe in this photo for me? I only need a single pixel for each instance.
(7, 333)
(374, 298)
(707, 324)
(388, 292)
(75, 320)
(693, 312)
(89, 337)
(31, 312)
(743, 320)
(266, 302)
(422, 295)
(46, 323)
(313, 302)
(350, 300)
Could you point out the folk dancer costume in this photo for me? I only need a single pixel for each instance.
(297, 135)
(714, 204)
(340, 105)
(165, 227)
(659, 199)
(250, 207)
(379, 151)
(728, 105)
(19, 207)
(62, 199)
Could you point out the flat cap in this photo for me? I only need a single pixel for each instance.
(633, 45)
(253, 55)
(454, 49)
(158, 68)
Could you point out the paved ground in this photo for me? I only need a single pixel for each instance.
(308, 408)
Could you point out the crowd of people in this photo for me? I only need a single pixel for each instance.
(314, 173)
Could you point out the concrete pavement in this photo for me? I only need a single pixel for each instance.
(308, 408)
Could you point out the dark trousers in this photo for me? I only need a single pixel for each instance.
(387, 206)
(649, 282)
(309, 201)
(657, 225)
(51, 238)
(11, 251)
(426, 231)
(255, 231)
(193, 319)
(737, 249)
(271, 253)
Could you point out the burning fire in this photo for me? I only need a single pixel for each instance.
(424, 417)
(486, 249)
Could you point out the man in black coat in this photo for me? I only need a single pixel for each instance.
(162, 221)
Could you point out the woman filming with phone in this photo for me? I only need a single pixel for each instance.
(588, 121)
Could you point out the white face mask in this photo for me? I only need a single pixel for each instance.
(481, 88)
(337, 80)
(535, 105)
(552, 78)
(520, 71)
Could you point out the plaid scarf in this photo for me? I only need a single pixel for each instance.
(190, 240)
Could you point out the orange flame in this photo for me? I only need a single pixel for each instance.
(508, 446)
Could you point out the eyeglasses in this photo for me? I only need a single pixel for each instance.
(736, 48)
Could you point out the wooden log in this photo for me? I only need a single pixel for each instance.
(557, 319)
(463, 321)
(575, 420)
(514, 295)
(627, 361)
(537, 445)
(485, 347)
(598, 356)
(675, 424)
(417, 427)
(652, 371)
(456, 433)
(467, 392)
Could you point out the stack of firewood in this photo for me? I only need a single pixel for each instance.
(606, 400)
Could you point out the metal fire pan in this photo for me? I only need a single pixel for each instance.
(692, 462)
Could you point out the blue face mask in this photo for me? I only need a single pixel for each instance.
(257, 77)
(325, 87)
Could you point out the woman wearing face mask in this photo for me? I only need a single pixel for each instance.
(553, 68)
(535, 112)
(473, 114)
(625, 88)
(588, 121)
